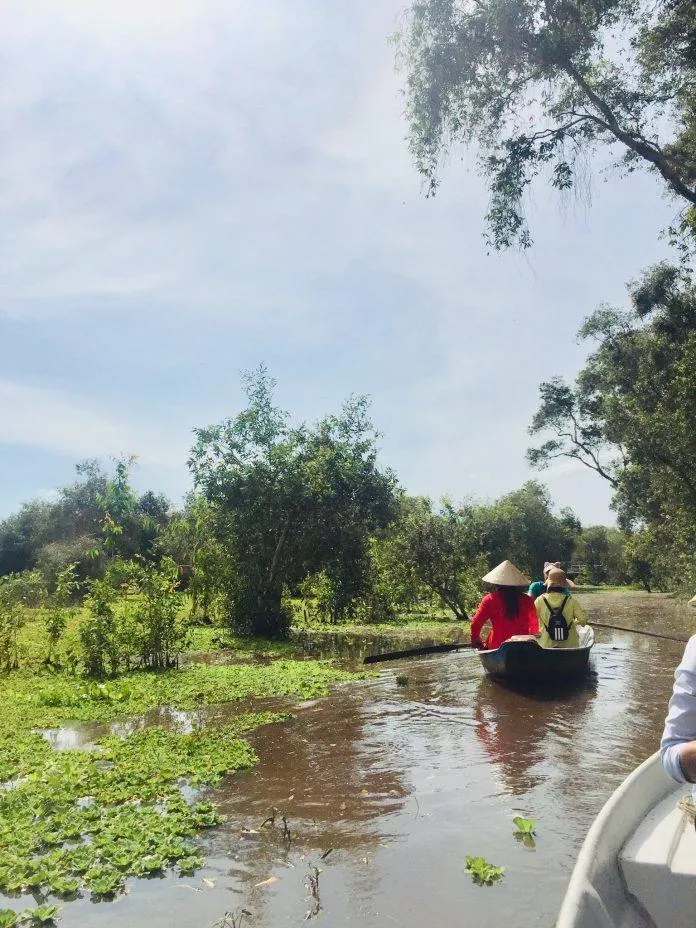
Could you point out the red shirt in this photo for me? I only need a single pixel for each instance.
(492, 609)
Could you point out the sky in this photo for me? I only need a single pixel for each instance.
(193, 187)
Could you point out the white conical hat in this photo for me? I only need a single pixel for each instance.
(692, 601)
(506, 574)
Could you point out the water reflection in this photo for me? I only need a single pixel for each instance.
(513, 722)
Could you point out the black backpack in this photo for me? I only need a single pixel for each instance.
(558, 627)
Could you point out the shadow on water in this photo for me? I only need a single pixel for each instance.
(387, 785)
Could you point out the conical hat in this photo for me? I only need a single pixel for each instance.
(692, 601)
(506, 574)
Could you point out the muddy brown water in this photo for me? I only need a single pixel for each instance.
(388, 784)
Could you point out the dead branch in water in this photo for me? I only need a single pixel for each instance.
(313, 886)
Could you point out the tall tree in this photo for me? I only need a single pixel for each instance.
(291, 501)
(538, 85)
(630, 414)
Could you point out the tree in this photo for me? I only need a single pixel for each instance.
(189, 538)
(540, 84)
(291, 501)
(629, 416)
(98, 513)
(438, 546)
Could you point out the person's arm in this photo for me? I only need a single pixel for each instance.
(678, 744)
(579, 614)
(479, 620)
(533, 620)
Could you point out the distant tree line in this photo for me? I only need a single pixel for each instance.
(284, 520)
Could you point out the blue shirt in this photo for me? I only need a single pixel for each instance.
(538, 588)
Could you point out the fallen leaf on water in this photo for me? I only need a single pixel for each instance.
(271, 879)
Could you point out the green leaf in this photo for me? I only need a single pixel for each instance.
(482, 872)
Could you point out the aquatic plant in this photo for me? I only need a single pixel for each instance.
(482, 872)
(85, 821)
(39, 915)
(525, 830)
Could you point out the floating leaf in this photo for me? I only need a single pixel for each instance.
(525, 826)
(482, 872)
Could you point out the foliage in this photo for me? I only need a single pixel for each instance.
(602, 551)
(525, 830)
(17, 591)
(91, 520)
(58, 608)
(189, 539)
(133, 614)
(629, 416)
(39, 915)
(537, 87)
(76, 821)
(523, 527)
(439, 550)
(482, 872)
(291, 502)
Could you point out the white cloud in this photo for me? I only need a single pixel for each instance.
(55, 421)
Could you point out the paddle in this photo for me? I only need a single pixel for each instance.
(415, 652)
(638, 631)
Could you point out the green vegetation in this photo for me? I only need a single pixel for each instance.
(483, 873)
(290, 503)
(73, 821)
(538, 87)
(39, 915)
(629, 417)
(525, 830)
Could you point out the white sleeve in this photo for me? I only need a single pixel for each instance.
(680, 724)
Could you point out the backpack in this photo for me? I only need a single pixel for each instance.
(558, 628)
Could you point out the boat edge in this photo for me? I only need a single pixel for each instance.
(601, 848)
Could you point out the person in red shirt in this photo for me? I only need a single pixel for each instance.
(508, 608)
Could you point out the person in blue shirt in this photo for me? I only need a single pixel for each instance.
(538, 588)
(678, 744)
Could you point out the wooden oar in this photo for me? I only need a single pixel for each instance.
(415, 652)
(638, 631)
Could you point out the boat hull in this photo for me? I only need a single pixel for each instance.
(527, 660)
(598, 895)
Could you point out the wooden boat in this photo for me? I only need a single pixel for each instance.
(527, 660)
(637, 867)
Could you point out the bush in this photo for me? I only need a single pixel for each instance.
(134, 617)
(17, 592)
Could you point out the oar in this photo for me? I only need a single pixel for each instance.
(415, 652)
(638, 631)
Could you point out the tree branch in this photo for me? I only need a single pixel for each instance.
(639, 145)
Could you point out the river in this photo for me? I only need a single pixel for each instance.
(388, 784)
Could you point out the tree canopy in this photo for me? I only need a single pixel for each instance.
(292, 501)
(538, 85)
(630, 414)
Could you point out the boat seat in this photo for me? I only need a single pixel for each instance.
(658, 864)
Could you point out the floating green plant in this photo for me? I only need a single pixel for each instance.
(482, 872)
(85, 821)
(525, 830)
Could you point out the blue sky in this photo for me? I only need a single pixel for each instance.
(193, 187)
